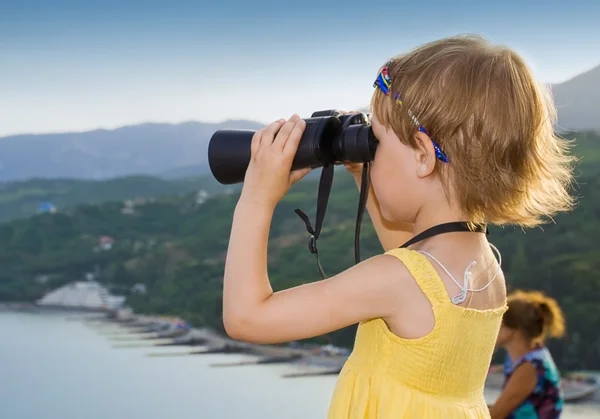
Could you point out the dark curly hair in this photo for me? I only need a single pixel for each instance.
(536, 315)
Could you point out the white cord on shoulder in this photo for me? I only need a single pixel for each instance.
(462, 295)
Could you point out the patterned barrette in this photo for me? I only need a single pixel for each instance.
(384, 83)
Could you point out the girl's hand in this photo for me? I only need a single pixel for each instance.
(269, 174)
(355, 169)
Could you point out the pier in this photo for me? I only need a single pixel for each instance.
(267, 360)
(209, 342)
(312, 373)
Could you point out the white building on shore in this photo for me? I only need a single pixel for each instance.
(88, 295)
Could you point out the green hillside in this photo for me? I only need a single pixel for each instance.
(176, 247)
(22, 199)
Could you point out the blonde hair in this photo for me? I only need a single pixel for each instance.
(535, 315)
(495, 123)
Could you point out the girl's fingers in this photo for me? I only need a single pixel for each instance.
(291, 145)
(296, 175)
(270, 132)
(284, 132)
(255, 144)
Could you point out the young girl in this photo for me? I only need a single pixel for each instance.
(465, 138)
(532, 386)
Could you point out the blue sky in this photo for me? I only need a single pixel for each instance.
(70, 65)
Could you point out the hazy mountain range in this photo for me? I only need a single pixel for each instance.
(152, 149)
(578, 101)
(179, 150)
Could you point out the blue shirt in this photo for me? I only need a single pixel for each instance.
(546, 401)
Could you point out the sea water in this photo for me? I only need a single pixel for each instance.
(52, 367)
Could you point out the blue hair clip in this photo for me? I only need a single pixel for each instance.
(384, 83)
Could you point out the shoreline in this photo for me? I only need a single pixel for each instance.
(136, 328)
(126, 329)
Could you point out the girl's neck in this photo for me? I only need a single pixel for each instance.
(426, 219)
(517, 349)
(429, 217)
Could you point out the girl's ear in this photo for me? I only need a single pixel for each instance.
(424, 155)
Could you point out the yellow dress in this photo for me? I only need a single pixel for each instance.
(440, 375)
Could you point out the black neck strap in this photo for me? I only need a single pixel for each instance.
(362, 203)
(452, 227)
(325, 183)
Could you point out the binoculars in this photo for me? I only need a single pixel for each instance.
(329, 138)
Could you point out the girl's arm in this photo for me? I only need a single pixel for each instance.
(253, 313)
(519, 386)
(390, 235)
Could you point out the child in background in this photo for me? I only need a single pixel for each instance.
(465, 138)
(532, 381)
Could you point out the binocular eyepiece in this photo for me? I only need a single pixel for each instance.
(329, 138)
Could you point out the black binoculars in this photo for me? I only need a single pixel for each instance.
(329, 138)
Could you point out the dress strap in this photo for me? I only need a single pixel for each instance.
(425, 275)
